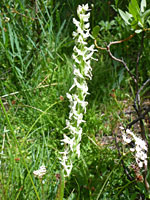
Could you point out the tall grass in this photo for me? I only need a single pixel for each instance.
(33, 70)
(35, 75)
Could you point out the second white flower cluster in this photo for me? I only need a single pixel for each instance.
(140, 147)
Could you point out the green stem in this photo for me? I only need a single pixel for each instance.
(108, 178)
(60, 193)
(123, 188)
(36, 122)
(42, 188)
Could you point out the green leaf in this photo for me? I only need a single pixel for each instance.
(11, 36)
(17, 43)
(133, 196)
(141, 25)
(95, 31)
(3, 32)
(116, 2)
(125, 16)
(134, 9)
(146, 14)
(143, 5)
(134, 24)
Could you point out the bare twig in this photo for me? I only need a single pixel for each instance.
(36, 7)
(23, 15)
(137, 98)
(115, 42)
(138, 59)
(142, 116)
(138, 108)
(117, 59)
(121, 61)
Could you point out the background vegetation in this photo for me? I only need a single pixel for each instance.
(36, 73)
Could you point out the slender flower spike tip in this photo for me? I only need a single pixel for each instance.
(82, 55)
(140, 147)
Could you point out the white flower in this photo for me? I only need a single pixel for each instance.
(79, 52)
(83, 104)
(76, 22)
(132, 149)
(87, 25)
(140, 148)
(91, 48)
(80, 40)
(40, 172)
(121, 128)
(145, 162)
(88, 56)
(85, 17)
(126, 139)
(67, 167)
(78, 73)
(141, 143)
(6, 19)
(69, 141)
(130, 132)
(76, 59)
(82, 8)
(88, 70)
(74, 130)
(82, 86)
(74, 34)
(72, 106)
(65, 153)
(69, 96)
(85, 33)
(79, 118)
(139, 162)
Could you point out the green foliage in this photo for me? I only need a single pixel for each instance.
(137, 17)
(35, 74)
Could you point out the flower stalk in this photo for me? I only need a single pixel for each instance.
(82, 54)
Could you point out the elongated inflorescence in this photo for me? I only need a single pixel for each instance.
(82, 54)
